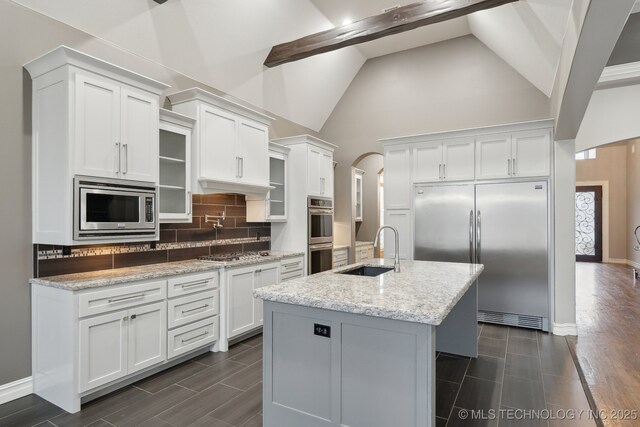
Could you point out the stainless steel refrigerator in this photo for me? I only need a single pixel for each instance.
(501, 225)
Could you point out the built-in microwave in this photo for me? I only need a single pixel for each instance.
(114, 209)
(320, 220)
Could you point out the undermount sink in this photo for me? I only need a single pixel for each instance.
(366, 270)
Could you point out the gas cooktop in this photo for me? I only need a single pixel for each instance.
(236, 256)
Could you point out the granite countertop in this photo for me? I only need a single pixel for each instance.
(335, 247)
(97, 279)
(422, 292)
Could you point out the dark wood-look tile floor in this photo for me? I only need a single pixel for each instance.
(517, 369)
(608, 342)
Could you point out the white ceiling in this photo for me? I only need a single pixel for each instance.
(339, 11)
(223, 43)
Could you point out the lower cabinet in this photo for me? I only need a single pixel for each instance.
(245, 311)
(340, 257)
(401, 220)
(364, 252)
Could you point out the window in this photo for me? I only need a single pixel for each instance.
(586, 155)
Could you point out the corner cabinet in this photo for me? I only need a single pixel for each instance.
(275, 207)
(231, 144)
(175, 167)
(357, 184)
(90, 118)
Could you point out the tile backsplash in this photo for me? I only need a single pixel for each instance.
(179, 241)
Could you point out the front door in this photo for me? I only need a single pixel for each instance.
(589, 224)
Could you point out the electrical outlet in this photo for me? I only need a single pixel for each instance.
(322, 330)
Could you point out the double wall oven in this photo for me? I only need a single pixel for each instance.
(320, 229)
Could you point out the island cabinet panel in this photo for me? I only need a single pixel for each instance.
(363, 371)
(388, 379)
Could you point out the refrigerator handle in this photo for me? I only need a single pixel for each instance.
(478, 238)
(471, 236)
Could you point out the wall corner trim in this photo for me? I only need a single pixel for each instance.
(563, 329)
(16, 389)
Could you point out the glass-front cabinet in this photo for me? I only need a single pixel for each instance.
(175, 167)
(274, 208)
(358, 194)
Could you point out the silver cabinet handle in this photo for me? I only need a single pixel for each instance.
(125, 147)
(118, 161)
(196, 337)
(291, 264)
(133, 316)
(191, 285)
(444, 171)
(188, 202)
(478, 238)
(509, 167)
(440, 171)
(195, 309)
(513, 162)
(471, 236)
(241, 167)
(126, 298)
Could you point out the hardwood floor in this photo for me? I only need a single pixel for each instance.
(608, 342)
(516, 369)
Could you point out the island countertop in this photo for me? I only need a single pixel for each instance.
(422, 292)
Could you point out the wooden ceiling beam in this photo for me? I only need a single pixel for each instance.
(395, 21)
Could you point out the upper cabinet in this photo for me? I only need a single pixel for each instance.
(231, 144)
(274, 209)
(511, 155)
(90, 118)
(311, 162)
(448, 160)
(397, 177)
(175, 167)
(357, 183)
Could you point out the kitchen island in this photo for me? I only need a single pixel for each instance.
(350, 350)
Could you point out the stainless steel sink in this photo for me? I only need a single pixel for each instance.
(366, 270)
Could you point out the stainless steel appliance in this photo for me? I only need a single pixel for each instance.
(112, 208)
(501, 225)
(320, 229)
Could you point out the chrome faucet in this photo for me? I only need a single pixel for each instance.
(396, 260)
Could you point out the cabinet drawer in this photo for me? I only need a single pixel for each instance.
(106, 300)
(184, 285)
(340, 263)
(339, 255)
(192, 307)
(186, 338)
(291, 275)
(292, 264)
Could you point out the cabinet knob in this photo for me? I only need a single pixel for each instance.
(133, 316)
(125, 318)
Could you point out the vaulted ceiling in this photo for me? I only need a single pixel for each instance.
(223, 43)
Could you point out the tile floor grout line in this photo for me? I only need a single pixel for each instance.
(458, 392)
(544, 393)
(504, 370)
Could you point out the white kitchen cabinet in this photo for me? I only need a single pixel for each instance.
(175, 167)
(320, 172)
(364, 251)
(397, 177)
(401, 220)
(291, 268)
(90, 118)
(447, 160)
(245, 311)
(357, 183)
(340, 257)
(519, 154)
(118, 344)
(230, 149)
(275, 208)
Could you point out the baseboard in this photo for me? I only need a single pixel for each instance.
(617, 261)
(15, 390)
(564, 329)
(633, 264)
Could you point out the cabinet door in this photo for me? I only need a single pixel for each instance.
(265, 276)
(139, 130)
(253, 150)
(427, 162)
(326, 174)
(401, 220)
(241, 303)
(277, 179)
(493, 156)
(97, 127)
(458, 160)
(397, 178)
(314, 185)
(174, 174)
(218, 141)
(358, 191)
(103, 349)
(147, 336)
(531, 153)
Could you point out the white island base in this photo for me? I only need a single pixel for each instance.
(370, 372)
